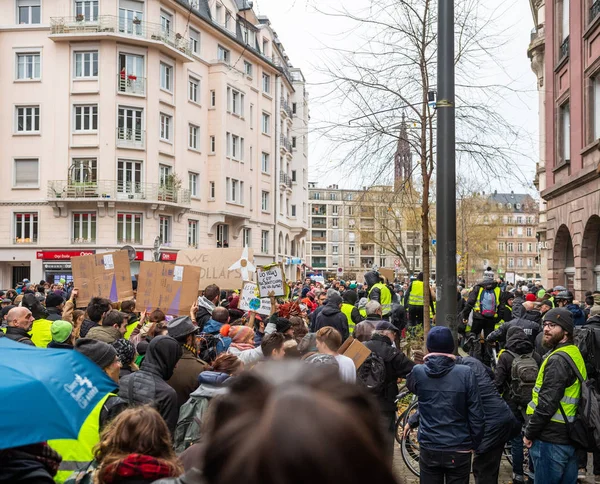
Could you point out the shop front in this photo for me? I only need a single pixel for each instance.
(56, 264)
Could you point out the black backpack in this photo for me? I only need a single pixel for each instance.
(587, 339)
(523, 373)
(372, 373)
(206, 345)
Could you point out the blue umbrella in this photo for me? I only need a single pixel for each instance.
(46, 393)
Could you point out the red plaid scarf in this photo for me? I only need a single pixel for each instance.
(138, 465)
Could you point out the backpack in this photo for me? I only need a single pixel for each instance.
(587, 339)
(584, 432)
(187, 431)
(372, 374)
(488, 303)
(206, 345)
(523, 374)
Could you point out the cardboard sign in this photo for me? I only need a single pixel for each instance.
(105, 275)
(171, 288)
(388, 274)
(214, 266)
(355, 350)
(249, 300)
(271, 280)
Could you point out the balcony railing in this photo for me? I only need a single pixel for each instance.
(77, 240)
(319, 265)
(108, 24)
(564, 49)
(319, 238)
(283, 178)
(285, 143)
(285, 106)
(319, 225)
(594, 10)
(25, 240)
(115, 190)
(131, 84)
(131, 138)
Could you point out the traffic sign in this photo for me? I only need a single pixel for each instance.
(397, 262)
(340, 270)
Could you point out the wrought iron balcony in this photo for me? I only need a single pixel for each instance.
(283, 178)
(286, 108)
(130, 84)
(131, 138)
(285, 143)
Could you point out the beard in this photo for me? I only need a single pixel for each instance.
(552, 340)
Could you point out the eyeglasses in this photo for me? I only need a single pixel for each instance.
(550, 325)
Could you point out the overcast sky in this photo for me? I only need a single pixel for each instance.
(305, 33)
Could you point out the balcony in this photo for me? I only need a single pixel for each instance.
(109, 190)
(286, 108)
(319, 252)
(138, 32)
(564, 50)
(131, 138)
(131, 84)
(285, 143)
(594, 10)
(25, 240)
(319, 224)
(284, 179)
(83, 241)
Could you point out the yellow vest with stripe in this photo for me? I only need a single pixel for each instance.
(501, 322)
(385, 297)
(432, 312)
(363, 312)
(570, 399)
(40, 333)
(347, 310)
(415, 298)
(77, 453)
(130, 328)
(477, 307)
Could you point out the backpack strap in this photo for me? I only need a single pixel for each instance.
(511, 353)
(571, 363)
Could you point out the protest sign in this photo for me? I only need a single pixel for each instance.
(388, 274)
(249, 300)
(271, 280)
(105, 275)
(171, 288)
(355, 350)
(214, 265)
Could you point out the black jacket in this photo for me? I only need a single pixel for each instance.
(54, 314)
(451, 414)
(592, 323)
(472, 299)
(531, 328)
(332, 316)
(313, 316)
(26, 465)
(149, 384)
(533, 315)
(558, 375)
(60, 346)
(397, 365)
(86, 326)
(19, 335)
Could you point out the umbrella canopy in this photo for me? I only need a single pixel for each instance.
(46, 393)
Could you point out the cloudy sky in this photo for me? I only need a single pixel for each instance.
(306, 34)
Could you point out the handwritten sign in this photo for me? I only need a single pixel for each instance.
(170, 288)
(249, 300)
(271, 281)
(214, 266)
(105, 275)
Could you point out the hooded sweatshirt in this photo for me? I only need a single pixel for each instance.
(204, 312)
(332, 316)
(531, 328)
(578, 314)
(149, 384)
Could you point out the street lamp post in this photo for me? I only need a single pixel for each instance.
(446, 170)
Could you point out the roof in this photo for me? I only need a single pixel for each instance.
(518, 201)
(243, 4)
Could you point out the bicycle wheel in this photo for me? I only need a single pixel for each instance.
(402, 406)
(409, 446)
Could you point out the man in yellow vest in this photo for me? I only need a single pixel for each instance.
(413, 301)
(350, 310)
(379, 292)
(554, 402)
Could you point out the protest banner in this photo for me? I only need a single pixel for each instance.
(214, 265)
(249, 300)
(355, 350)
(171, 288)
(388, 274)
(105, 275)
(271, 280)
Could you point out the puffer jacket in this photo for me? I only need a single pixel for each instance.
(149, 384)
(86, 326)
(578, 314)
(54, 314)
(450, 410)
(107, 334)
(19, 335)
(331, 315)
(214, 327)
(531, 328)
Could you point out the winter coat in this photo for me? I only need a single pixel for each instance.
(332, 316)
(578, 314)
(19, 335)
(214, 327)
(86, 326)
(249, 357)
(54, 314)
(397, 365)
(149, 384)
(531, 328)
(451, 414)
(60, 346)
(533, 315)
(472, 300)
(593, 323)
(500, 423)
(107, 334)
(30, 464)
(185, 377)
(204, 312)
(313, 317)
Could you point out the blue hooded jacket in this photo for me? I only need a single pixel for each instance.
(214, 327)
(578, 314)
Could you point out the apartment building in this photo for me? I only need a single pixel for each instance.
(565, 56)
(180, 123)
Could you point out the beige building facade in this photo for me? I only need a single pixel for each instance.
(135, 122)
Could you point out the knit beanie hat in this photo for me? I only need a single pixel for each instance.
(282, 325)
(61, 330)
(546, 303)
(350, 297)
(99, 352)
(562, 317)
(530, 297)
(241, 334)
(594, 310)
(440, 340)
(125, 351)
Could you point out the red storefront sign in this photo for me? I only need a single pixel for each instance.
(139, 255)
(61, 254)
(168, 256)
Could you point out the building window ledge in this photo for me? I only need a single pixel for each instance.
(591, 26)
(560, 166)
(594, 145)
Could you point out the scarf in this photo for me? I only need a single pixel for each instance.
(138, 465)
(243, 346)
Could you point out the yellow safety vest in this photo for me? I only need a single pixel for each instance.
(501, 322)
(551, 299)
(385, 297)
(78, 453)
(570, 400)
(415, 298)
(40, 333)
(347, 310)
(363, 312)
(477, 307)
(432, 312)
(130, 328)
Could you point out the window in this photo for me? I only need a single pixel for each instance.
(248, 68)
(164, 174)
(335, 209)
(211, 187)
(520, 231)
(563, 16)
(529, 247)
(293, 108)
(192, 234)
(564, 135)
(131, 14)
(293, 210)
(264, 241)
(193, 184)
(27, 119)
(26, 228)
(235, 101)
(511, 231)
(509, 247)
(213, 144)
(227, 19)
(519, 219)
(29, 11)
(293, 141)
(213, 98)
(84, 227)
(501, 246)
(334, 249)
(28, 66)
(164, 229)
(86, 65)
(129, 228)
(266, 83)
(166, 77)
(266, 123)
(247, 237)
(265, 163)
(165, 127)
(265, 47)
(351, 249)
(218, 12)
(84, 170)
(350, 210)
(194, 41)
(294, 179)
(86, 8)
(131, 74)
(529, 262)
(130, 124)
(86, 117)
(334, 223)
(265, 203)
(26, 173)
(194, 88)
(351, 236)
(235, 147)
(166, 19)
(235, 189)
(223, 54)
(520, 247)
(194, 135)
(520, 262)
(129, 176)
(222, 235)
(511, 262)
